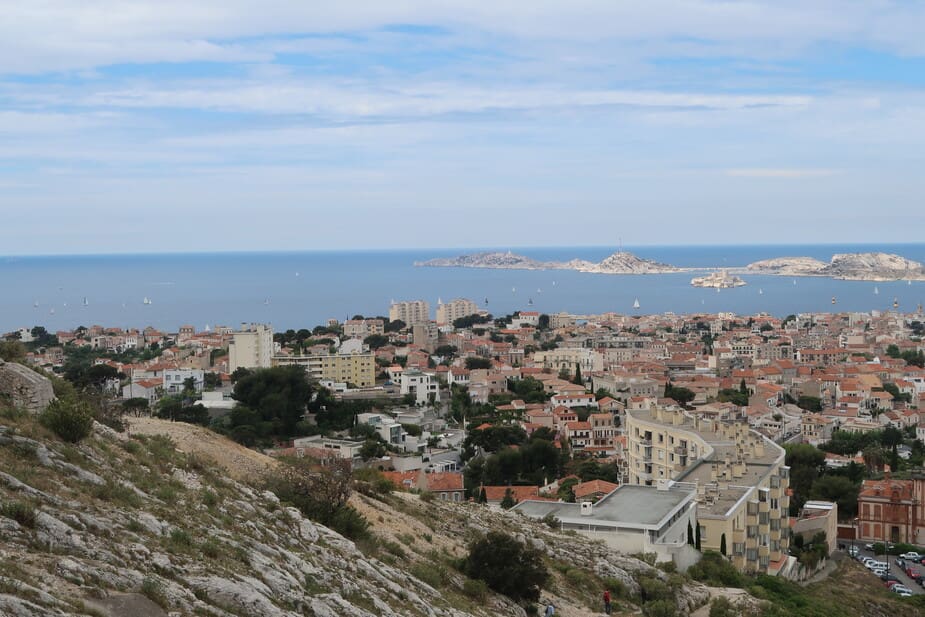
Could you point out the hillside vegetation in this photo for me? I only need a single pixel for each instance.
(150, 525)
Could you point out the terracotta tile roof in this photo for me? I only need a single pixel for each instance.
(592, 487)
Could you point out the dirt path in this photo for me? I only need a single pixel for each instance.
(240, 462)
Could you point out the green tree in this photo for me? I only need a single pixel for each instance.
(840, 490)
(507, 566)
(806, 464)
(372, 448)
(474, 362)
(279, 396)
(577, 379)
(722, 545)
(697, 536)
(375, 341)
(483, 496)
(810, 403)
(12, 351)
(690, 533)
(682, 395)
(508, 501)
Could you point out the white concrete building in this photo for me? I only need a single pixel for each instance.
(410, 312)
(455, 309)
(424, 386)
(251, 347)
(175, 378)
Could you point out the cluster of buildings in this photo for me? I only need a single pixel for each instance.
(712, 462)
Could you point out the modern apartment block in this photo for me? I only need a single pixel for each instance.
(455, 309)
(410, 311)
(739, 474)
(358, 369)
(251, 347)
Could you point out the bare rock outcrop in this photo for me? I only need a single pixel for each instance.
(25, 388)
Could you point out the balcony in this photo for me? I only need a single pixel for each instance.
(680, 450)
(738, 535)
(764, 507)
(764, 551)
(775, 534)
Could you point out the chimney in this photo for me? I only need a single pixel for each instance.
(586, 508)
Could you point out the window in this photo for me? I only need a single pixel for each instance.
(703, 532)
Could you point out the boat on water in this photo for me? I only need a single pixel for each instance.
(636, 304)
(266, 301)
(486, 301)
(530, 302)
(86, 302)
(513, 290)
(147, 300)
(833, 299)
(51, 312)
(760, 292)
(895, 303)
(876, 290)
(35, 304)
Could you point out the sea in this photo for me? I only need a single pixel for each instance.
(304, 289)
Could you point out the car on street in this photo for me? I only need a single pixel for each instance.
(869, 546)
(891, 584)
(887, 576)
(912, 556)
(900, 589)
(913, 573)
(900, 562)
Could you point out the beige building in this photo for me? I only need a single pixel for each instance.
(739, 474)
(361, 328)
(252, 347)
(455, 309)
(357, 369)
(410, 312)
(425, 335)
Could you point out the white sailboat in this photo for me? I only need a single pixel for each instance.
(794, 281)
(86, 302)
(760, 292)
(513, 290)
(52, 311)
(876, 290)
(266, 302)
(636, 304)
(35, 304)
(147, 300)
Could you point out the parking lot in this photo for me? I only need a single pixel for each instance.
(895, 570)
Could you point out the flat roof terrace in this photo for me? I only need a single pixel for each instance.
(630, 505)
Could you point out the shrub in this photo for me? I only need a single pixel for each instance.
(507, 566)
(70, 420)
(348, 522)
(616, 587)
(653, 590)
(551, 521)
(475, 589)
(22, 513)
(722, 607)
(660, 608)
(716, 571)
(154, 592)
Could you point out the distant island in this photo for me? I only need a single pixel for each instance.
(845, 266)
(719, 280)
(621, 262)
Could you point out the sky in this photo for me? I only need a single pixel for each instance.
(169, 125)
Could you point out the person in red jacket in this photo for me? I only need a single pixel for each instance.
(607, 607)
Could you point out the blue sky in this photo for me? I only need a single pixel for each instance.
(238, 125)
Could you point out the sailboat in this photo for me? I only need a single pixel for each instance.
(636, 304)
(35, 304)
(876, 290)
(895, 302)
(909, 282)
(266, 302)
(794, 281)
(208, 328)
(530, 302)
(553, 283)
(538, 290)
(52, 311)
(760, 292)
(486, 301)
(833, 299)
(513, 290)
(147, 300)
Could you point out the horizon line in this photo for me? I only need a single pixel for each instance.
(617, 247)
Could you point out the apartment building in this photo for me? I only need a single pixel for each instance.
(892, 510)
(739, 474)
(361, 328)
(251, 347)
(423, 386)
(568, 358)
(358, 369)
(175, 379)
(410, 311)
(455, 309)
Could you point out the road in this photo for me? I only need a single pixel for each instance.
(895, 570)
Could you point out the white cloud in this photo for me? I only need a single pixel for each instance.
(781, 173)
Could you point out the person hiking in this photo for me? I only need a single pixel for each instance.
(550, 610)
(607, 607)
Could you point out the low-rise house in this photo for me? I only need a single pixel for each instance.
(593, 490)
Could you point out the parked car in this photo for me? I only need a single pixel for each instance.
(877, 565)
(887, 576)
(854, 551)
(891, 584)
(904, 594)
(900, 562)
(900, 588)
(913, 573)
(912, 556)
(869, 546)
(879, 572)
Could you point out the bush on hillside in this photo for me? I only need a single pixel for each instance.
(507, 566)
(70, 420)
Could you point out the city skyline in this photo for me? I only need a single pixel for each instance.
(156, 127)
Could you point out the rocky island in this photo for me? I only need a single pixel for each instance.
(719, 280)
(621, 262)
(845, 266)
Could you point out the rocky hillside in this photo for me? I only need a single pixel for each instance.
(130, 525)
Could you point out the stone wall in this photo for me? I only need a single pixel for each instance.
(24, 387)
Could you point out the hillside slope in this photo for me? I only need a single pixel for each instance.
(124, 525)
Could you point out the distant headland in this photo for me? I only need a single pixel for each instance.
(845, 266)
